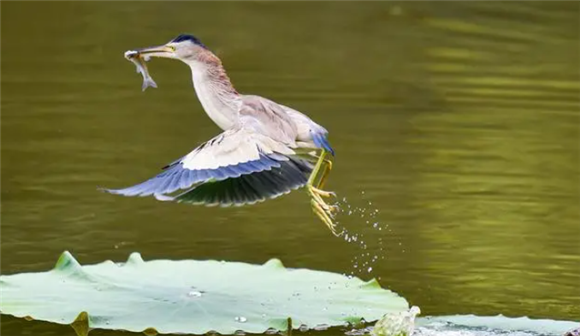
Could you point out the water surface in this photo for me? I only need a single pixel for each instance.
(458, 122)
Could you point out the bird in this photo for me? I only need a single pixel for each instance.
(266, 149)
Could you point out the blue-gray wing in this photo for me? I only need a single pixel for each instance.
(250, 188)
(234, 153)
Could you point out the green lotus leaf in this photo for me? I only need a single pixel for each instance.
(192, 297)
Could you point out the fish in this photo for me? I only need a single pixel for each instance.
(139, 61)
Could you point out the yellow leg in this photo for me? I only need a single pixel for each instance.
(317, 167)
(323, 210)
(327, 169)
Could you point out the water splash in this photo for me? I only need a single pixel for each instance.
(371, 248)
(472, 325)
(194, 294)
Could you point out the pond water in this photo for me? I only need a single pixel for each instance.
(456, 127)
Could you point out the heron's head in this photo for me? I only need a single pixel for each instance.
(184, 47)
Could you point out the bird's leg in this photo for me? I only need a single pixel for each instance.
(320, 207)
(318, 193)
(327, 169)
(316, 168)
(313, 186)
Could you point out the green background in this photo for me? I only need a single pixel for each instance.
(458, 121)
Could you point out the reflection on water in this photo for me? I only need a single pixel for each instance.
(458, 121)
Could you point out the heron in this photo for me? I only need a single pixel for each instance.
(266, 149)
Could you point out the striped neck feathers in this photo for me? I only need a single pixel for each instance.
(214, 89)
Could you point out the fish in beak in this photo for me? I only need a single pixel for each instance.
(139, 61)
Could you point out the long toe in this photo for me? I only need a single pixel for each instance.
(329, 209)
(323, 193)
(323, 215)
(333, 209)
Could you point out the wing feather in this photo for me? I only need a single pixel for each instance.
(250, 188)
(232, 154)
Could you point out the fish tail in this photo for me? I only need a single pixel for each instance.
(148, 82)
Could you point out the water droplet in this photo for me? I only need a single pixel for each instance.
(370, 269)
(241, 319)
(376, 224)
(194, 294)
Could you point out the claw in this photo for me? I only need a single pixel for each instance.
(322, 193)
(317, 194)
(330, 209)
(323, 215)
(333, 209)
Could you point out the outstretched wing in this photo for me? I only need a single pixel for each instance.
(236, 152)
(250, 188)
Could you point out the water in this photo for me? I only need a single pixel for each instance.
(459, 121)
(241, 319)
(194, 294)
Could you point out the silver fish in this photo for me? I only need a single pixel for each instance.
(139, 61)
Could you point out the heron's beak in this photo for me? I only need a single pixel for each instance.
(159, 51)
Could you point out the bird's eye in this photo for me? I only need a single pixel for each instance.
(172, 48)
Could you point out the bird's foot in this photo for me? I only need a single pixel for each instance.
(319, 192)
(323, 210)
(324, 216)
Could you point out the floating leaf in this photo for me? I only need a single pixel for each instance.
(192, 297)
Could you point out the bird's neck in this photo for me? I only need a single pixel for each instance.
(214, 90)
